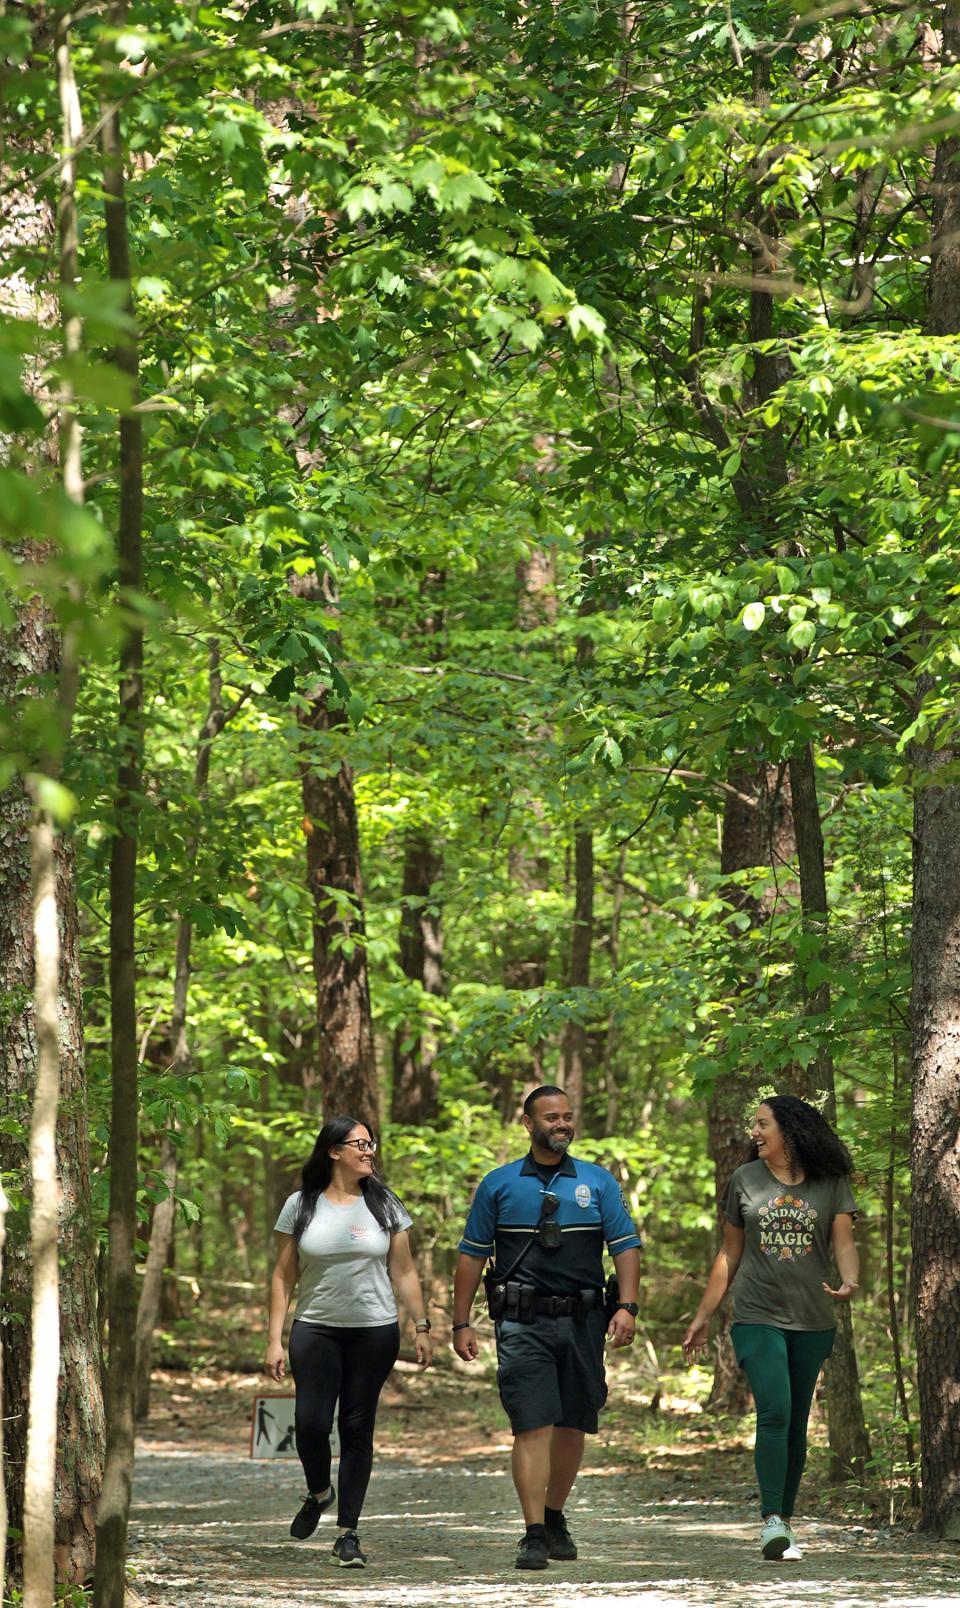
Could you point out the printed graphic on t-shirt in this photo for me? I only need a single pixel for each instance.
(359, 1232)
(787, 1227)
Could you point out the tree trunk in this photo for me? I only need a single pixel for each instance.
(575, 1040)
(525, 944)
(29, 656)
(611, 1090)
(161, 1230)
(38, 1525)
(4, 1512)
(415, 1086)
(753, 834)
(846, 1427)
(935, 999)
(935, 1135)
(151, 1285)
(345, 1050)
(113, 1515)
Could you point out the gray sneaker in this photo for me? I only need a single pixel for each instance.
(793, 1553)
(346, 1551)
(775, 1537)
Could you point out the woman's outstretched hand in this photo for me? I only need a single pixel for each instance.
(424, 1347)
(846, 1291)
(697, 1338)
(274, 1364)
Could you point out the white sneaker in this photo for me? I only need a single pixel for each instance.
(793, 1553)
(775, 1537)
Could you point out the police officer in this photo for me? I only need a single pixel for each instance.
(544, 1221)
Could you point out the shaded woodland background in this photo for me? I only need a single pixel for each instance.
(480, 527)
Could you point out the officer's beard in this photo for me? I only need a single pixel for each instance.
(554, 1142)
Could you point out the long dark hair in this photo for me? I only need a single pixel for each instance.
(318, 1171)
(812, 1146)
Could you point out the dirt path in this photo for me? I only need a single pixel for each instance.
(210, 1529)
(663, 1513)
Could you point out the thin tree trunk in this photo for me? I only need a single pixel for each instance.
(346, 1058)
(114, 1509)
(39, 1480)
(935, 999)
(415, 1085)
(846, 1426)
(345, 1049)
(575, 1057)
(151, 1285)
(161, 1230)
(526, 945)
(890, 1213)
(414, 1088)
(754, 834)
(575, 1040)
(610, 1045)
(4, 1512)
(38, 1524)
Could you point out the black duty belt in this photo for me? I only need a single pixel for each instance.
(561, 1306)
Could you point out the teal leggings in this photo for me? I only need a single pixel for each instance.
(783, 1366)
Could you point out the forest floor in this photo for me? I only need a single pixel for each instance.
(664, 1511)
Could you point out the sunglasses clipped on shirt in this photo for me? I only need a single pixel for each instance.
(365, 1146)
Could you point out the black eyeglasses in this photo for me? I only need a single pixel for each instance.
(363, 1145)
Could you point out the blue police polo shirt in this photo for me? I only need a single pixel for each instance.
(506, 1209)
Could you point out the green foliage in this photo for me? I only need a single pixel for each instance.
(427, 298)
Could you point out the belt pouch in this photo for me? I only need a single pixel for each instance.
(495, 1295)
(527, 1304)
(511, 1300)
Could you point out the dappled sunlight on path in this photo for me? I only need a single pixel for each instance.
(212, 1529)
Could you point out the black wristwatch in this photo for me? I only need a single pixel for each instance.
(627, 1306)
(423, 1326)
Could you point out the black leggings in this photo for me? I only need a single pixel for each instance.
(351, 1364)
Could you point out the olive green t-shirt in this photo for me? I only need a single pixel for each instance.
(786, 1253)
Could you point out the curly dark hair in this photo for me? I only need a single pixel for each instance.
(811, 1144)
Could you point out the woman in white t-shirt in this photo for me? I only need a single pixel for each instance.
(343, 1237)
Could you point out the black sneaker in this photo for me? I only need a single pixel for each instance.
(532, 1552)
(560, 1543)
(310, 1514)
(346, 1551)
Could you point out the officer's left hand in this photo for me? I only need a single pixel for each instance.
(622, 1328)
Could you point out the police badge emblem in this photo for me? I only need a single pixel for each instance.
(582, 1195)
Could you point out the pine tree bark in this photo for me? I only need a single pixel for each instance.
(846, 1426)
(113, 1515)
(935, 999)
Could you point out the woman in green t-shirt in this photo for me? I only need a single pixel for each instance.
(786, 1209)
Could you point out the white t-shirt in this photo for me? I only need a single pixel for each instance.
(343, 1263)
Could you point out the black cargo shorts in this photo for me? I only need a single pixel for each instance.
(551, 1371)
